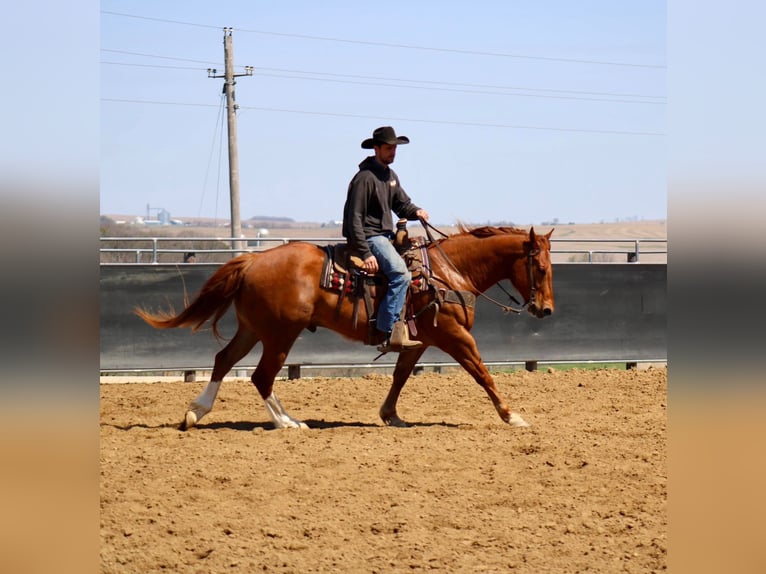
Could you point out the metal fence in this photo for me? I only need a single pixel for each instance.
(156, 250)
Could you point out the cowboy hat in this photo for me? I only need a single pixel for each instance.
(384, 135)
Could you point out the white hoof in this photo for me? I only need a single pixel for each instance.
(287, 422)
(203, 404)
(191, 419)
(516, 421)
(279, 416)
(195, 414)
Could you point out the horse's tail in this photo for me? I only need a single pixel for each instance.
(213, 300)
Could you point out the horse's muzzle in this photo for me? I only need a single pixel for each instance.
(540, 312)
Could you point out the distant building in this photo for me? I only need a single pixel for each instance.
(163, 218)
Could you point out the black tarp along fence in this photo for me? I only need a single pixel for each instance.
(614, 312)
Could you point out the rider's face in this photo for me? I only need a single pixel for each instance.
(385, 153)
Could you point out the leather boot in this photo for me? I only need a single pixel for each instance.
(399, 340)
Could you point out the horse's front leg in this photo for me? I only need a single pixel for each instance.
(464, 350)
(404, 366)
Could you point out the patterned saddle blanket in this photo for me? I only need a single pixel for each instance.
(342, 270)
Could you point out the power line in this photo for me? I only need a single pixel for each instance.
(383, 78)
(411, 87)
(128, 101)
(460, 84)
(217, 136)
(167, 21)
(456, 50)
(206, 62)
(463, 90)
(196, 69)
(397, 119)
(454, 123)
(392, 45)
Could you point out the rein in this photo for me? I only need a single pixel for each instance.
(506, 308)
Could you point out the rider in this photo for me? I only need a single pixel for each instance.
(374, 192)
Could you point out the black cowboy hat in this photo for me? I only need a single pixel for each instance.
(385, 134)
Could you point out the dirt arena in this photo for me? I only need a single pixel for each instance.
(584, 489)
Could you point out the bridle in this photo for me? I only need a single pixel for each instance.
(506, 308)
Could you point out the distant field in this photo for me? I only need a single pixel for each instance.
(653, 229)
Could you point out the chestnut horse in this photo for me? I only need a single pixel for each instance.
(277, 294)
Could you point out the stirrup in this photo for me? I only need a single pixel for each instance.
(387, 347)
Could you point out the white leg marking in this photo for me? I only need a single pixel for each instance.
(203, 404)
(516, 421)
(279, 416)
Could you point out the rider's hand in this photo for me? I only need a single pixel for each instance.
(422, 214)
(371, 264)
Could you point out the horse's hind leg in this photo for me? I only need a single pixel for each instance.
(404, 365)
(225, 359)
(272, 360)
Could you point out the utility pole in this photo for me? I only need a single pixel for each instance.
(231, 112)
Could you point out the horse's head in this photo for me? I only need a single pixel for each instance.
(539, 274)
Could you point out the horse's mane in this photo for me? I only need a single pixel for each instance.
(488, 230)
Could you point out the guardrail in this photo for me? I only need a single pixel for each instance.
(155, 250)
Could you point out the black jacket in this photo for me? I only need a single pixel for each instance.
(374, 192)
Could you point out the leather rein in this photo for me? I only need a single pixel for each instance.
(506, 308)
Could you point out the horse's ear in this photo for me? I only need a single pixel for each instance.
(532, 243)
(548, 235)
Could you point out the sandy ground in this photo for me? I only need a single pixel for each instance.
(584, 489)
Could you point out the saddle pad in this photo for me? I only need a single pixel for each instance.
(333, 279)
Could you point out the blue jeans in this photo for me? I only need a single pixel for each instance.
(395, 269)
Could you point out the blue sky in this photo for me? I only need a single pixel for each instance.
(517, 111)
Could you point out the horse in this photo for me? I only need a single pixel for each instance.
(277, 294)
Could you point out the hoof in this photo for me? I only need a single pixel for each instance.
(395, 422)
(288, 423)
(189, 421)
(516, 421)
